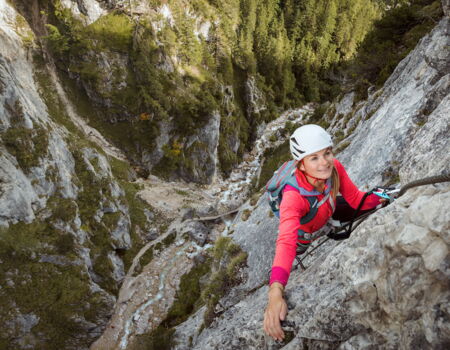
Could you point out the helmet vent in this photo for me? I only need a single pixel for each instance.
(298, 149)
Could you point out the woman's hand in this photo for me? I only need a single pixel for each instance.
(276, 310)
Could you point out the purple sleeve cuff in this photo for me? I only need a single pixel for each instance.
(279, 275)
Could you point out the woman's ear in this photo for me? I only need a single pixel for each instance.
(301, 166)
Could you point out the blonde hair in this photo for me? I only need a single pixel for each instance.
(335, 183)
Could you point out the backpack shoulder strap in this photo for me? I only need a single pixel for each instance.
(282, 177)
(313, 207)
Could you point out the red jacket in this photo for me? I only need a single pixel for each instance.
(294, 206)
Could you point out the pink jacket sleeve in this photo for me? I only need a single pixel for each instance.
(292, 208)
(351, 193)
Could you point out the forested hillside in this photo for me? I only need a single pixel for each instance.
(148, 74)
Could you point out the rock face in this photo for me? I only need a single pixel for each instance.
(63, 215)
(446, 7)
(202, 151)
(87, 10)
(254, 97)
(384, 287)
(197, 231)
(387, 286)
(410, 115)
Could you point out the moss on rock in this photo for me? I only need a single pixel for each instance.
(29, 146)
(56, 289)
(228, 258)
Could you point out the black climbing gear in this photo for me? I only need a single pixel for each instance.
(388, 193)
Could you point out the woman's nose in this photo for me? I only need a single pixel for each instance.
(323, 161)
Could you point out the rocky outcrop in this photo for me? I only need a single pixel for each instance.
(255, 98)
(446, 7)
(87, 10)
(64, 220)
(406, 123)
(385, 287)
(201, 150)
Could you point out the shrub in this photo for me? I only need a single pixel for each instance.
(58, 43)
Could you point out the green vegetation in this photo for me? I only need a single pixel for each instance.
(254, 199)
(274, 158)
(181, 192)
(24, 31)
(112, 32)
(60, 292)
(392, 38)
(228, 258)
(245, 214)
(56, 41)
(169, 239)
(268, 40)
(341, 147)
(27, 145)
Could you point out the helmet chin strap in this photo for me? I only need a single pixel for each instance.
(316, 179)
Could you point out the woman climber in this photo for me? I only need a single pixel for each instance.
(320, 176)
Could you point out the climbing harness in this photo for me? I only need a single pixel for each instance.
(343, 230)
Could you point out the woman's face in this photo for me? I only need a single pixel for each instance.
(319, 164)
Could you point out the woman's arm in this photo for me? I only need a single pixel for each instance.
(292, 208)
(351, 193)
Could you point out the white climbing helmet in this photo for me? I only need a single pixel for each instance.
(308, 139)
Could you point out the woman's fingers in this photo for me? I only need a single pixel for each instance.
(272, 324)
(283, 312)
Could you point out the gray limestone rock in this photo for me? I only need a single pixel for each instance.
(410, 116)
(196, 231)
(31, 192)
(150, 159)
(202, 149)
(256, 235)
(86, 10)
(446, 7)
(152, 234)
(384, 287)
(255, 98)
(345, 105)
(16, 193)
